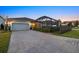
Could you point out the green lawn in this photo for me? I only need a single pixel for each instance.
(4, 41)
(75, 27)
(72, 34)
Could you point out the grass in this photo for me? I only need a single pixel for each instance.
(4, 41)
(72, 34)
(76, 27)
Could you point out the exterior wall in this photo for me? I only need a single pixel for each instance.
(36, 25)
(43, 24)
(10, 22)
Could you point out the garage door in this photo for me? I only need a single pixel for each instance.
(20, 26)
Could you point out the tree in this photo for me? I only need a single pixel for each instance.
(59, 23)
(76, 23)
(70, 24)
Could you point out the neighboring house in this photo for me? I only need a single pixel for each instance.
(21, 23)
(74, 23)
(2, 21)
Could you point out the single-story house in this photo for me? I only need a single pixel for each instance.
(24, 23)
(21, 23)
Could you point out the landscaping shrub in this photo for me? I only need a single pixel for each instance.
(56, 28)
(44, 29)
(2, 27)
(7, 28)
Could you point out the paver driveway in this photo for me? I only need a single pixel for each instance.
(38, 42)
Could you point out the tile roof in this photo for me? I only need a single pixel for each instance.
(21, 19)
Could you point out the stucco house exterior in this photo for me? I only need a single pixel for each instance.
(24, 23)
(21, 23)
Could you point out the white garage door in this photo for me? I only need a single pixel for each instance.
(20, 26)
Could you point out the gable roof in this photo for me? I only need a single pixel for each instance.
(21, 19)
(42, 17)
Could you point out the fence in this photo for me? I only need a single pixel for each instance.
(62, 28)
(65, 28)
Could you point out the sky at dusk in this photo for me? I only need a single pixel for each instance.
(57, 12)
